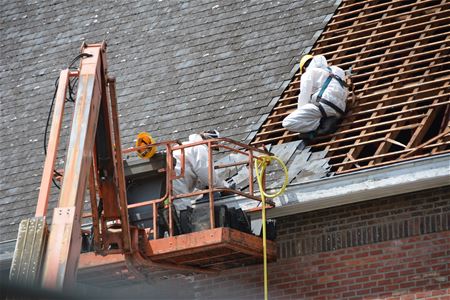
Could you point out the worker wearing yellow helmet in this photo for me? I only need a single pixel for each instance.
(304, 62)
(321, 102)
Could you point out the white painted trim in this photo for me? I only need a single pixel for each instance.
(401, 178)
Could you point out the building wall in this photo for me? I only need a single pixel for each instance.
(390, 248)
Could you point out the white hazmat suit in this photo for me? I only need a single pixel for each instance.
(195, 173)
(307, 116)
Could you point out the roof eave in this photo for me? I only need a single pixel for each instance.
(401, 178)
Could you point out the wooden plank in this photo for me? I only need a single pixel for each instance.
(392, 106)
(438, 65)
(424, 125)
(444, 124)
(397, 160)
(344, 16)
(345, 7)
(398, 51)
(381, 12)
(383, 147)
(413, 64)
(356, 129)
(346, 38)
(445, 133)
(370, 65)
(358, 139)
(345, 123)
(363, 134)
(438, 143)
(415, 28)
(411, 110)
(335, 36)
(409, 81)
(443, 96)
(401, 88)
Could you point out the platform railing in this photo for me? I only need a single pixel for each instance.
(229, 146)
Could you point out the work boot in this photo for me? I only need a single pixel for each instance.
(230, 185)
(328, 125)
(307, 135)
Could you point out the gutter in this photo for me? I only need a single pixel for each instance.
(401, 178)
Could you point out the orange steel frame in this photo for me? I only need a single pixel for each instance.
(212, 144)
(96, 109)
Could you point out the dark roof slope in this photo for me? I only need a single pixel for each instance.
(180, 67)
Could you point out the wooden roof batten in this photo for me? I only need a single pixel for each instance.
(399, 53)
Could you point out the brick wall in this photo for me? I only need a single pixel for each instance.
(390, 248)
(364, 223)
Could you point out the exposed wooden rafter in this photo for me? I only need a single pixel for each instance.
(399, 51)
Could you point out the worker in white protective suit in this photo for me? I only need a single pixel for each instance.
(321, 102)
(196, 169)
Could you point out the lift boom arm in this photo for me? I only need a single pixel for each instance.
(94, 161)
(94, 149)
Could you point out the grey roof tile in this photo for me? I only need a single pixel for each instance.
(180, 67)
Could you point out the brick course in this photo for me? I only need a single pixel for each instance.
(408, 257)
(364, 223)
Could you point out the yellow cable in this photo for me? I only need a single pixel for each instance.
(262, 163)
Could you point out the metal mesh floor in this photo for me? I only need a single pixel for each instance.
(399, 54)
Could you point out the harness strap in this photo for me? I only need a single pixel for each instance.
(325, 84)
(322, 90)
(341, 82)
(331, 76)
(333, 106)
(322, 110)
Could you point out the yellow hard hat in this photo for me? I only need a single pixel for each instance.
(304, 60)
(143, 139)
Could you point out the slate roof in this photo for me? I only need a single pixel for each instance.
(302, 164)
(181, 67)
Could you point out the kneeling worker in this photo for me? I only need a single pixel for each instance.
(196, 169)
(321, 102)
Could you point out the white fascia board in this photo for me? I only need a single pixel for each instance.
(401, 178)
(365, 185)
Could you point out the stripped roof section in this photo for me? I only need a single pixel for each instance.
(399, 53)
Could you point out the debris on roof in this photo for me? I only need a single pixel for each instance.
(302, 165)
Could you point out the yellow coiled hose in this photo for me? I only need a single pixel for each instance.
(260, 168)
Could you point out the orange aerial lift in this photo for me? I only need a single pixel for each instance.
(48, 256)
